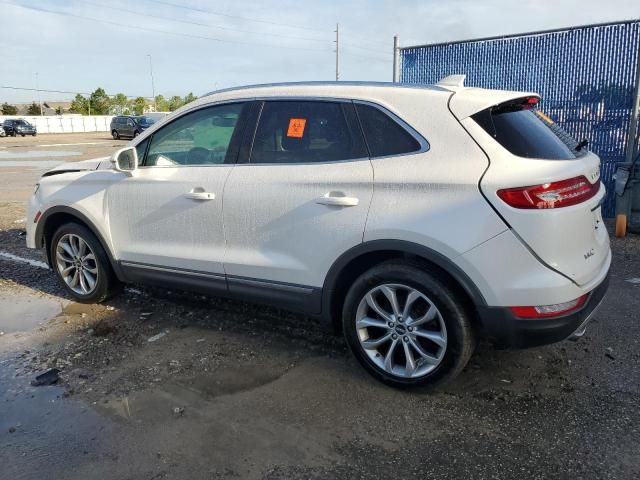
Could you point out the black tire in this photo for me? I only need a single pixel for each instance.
(107, 284)
(115, 135)
(136, 133)
(461, 340)
(22, 134)
(34, 134)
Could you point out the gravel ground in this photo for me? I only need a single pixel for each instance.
(164, 384)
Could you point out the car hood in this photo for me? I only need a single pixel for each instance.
(83, 165)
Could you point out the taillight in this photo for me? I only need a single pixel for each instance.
(550, 195)
(543, 311)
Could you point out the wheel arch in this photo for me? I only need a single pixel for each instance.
(54, 217)
(357, 260)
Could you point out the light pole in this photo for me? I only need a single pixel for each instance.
(153, 88)
(39, 99)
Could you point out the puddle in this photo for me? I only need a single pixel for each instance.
(39, 153)
(34, 419)
(22, 313)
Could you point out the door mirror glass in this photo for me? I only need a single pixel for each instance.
(125, 160)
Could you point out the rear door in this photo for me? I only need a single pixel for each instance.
(545, 185)
(299, 201)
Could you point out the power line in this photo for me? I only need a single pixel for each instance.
(208, 25)
(166, 32)
(8, 87)
(211, 12)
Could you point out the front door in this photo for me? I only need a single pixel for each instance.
(167, 217)
(299, 202)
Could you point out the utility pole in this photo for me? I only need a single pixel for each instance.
(39, 97)
(153, 88)
(396, 63)
(337, 52)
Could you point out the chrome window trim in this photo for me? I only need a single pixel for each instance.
(424, 144)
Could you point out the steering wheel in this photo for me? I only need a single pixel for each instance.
(198, 156)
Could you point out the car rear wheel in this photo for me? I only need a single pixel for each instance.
(115, 135)
(81, 264)
(406, 326)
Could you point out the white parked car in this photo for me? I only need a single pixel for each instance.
(416, 219)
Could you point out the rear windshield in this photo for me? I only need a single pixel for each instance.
(528, 133)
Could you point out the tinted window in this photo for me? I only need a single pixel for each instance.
(524, 133)
(383, 134)
(306, 132)
(141, 148)
(202, 137)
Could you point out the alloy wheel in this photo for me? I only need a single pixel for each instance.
(401, 330)
(77, 264)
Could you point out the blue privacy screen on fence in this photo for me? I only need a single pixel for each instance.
(585, 75)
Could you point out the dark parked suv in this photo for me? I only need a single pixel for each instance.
(129, 126)
(19, 127)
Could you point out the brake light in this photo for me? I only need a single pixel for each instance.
(563, 193)
(544, 311)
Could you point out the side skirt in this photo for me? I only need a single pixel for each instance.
(297, 298)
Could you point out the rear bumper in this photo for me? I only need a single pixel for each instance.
(503, 328)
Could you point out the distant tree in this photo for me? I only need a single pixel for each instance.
(58, 110)
(162, 104)
(34, 109)
(138, 105)
(8, 109)
(100, 102)
(120, 103)
(80, 104)
(175, 103)
(189, 97)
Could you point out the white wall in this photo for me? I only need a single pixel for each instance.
(66, 123)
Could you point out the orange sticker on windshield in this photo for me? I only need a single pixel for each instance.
(296, 127)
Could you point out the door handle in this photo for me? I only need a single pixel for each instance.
(337, 199)
(199, 194)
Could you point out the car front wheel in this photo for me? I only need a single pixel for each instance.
(81, 264)
(115, 135)
(407, 326)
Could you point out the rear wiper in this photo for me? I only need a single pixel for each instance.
(581, 144)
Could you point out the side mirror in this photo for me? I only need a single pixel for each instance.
(125, 160)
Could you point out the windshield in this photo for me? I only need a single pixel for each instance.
(22, 123)
(145, 121)
(528, 133)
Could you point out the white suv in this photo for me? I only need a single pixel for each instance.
(417, 219)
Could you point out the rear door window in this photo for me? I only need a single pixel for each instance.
(383, 134)
(527, 133)
(307, 132)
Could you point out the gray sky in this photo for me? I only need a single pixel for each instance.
(91, 43)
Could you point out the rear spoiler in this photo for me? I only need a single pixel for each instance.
(467, 101)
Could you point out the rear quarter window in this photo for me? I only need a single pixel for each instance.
(527, 133)
(384, 136)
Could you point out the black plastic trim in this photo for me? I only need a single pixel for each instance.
(298, 298)
(504, 329)
(406, 247)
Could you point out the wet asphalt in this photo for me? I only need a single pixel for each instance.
(158, 384)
